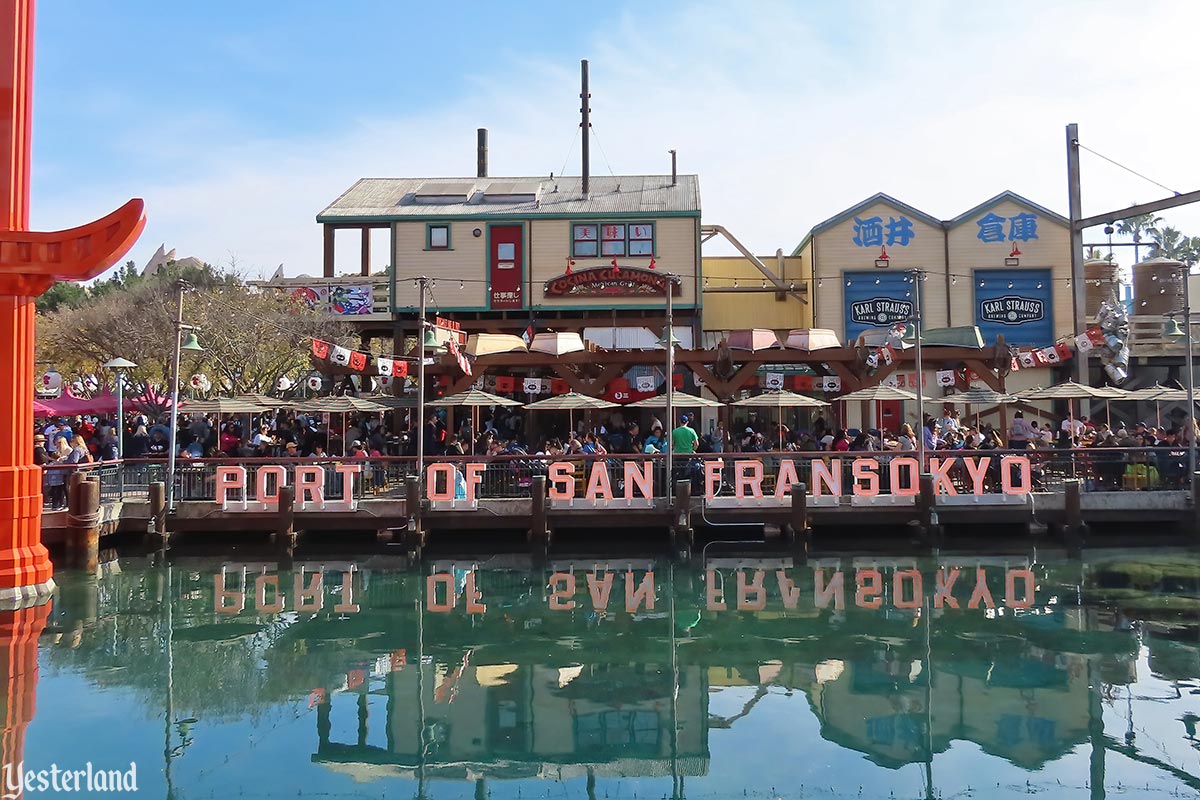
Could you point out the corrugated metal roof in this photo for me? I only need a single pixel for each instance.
(383, 199)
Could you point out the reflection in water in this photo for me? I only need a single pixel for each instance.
(756, 676)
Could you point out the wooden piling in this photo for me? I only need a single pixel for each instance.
(1195, 503)
(158, 508)
(682, 536)
(800, 533)
(931, 531)
(285, 531)
(539, 525)
(83, 523)
(414, 533)
(1074, 528)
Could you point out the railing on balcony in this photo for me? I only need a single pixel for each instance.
(1146, 336)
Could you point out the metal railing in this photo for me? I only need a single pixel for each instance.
(511, 476)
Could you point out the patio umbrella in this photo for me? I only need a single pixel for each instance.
(810, 339)
(1158, 394)
(753, 340)
(980, 397)
(485, 344)
(682, 399)
(556, 344)
(220, 405)
(341, 405)
(570, 402)
(474, 399)
(780, 399)
(881, 393)
(262, 400)
(1070, 390)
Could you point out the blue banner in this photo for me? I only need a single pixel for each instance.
(1018, 303)
(875, 301)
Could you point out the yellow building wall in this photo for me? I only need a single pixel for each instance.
(1051, 250)
(675, 247)
(835, 253)
(466, 260)
(725, 311)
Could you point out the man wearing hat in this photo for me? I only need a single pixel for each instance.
(40, 456)
(291, 450)
(684, 438)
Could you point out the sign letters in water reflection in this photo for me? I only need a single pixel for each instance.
(868, 588)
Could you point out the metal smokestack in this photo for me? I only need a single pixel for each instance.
(481, 153)
(586, 110)
(674, 176)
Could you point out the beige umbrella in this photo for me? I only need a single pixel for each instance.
(475, 399)
(220, 405)
(262, 400)
(780, 399)
(753, 340)
(1158, 395)
(980, 397)
(557, 344)
(681, 399)
(570, 402)
(341, 405)
(810, 339)
(1069, 390)
(881, 393)
(485, 344)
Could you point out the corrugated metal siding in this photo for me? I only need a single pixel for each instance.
(392, 198)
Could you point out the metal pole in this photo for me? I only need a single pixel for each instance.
(585, 109)
(1191, 377)
(421, 281)
(667, 334)
(174, 441)
(1075, 210)
(916, 280)
(120, 435)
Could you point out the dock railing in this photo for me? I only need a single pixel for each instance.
(1102, 469)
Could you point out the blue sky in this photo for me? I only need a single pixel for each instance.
(238, 122)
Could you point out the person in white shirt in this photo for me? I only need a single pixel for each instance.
(1073, 428)
(1019, 432)
(947, 423)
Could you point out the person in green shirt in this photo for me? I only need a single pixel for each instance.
(684, 438)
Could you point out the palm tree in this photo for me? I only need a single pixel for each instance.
(1135, 227)
(1169, 242)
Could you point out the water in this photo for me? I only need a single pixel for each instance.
(216, 684)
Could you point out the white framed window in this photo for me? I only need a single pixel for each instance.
(583, 241)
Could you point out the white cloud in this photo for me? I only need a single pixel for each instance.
(788, 116)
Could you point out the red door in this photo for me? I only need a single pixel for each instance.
(889, 416)
(505, 266)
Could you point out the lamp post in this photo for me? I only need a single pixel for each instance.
(423, 336)
(668, 342)
(1172, 331)
(117, 364)
(915, 277)
(192, 346)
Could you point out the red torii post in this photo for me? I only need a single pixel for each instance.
(29, 264)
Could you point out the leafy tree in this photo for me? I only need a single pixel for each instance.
(65, 294)
(251, 338)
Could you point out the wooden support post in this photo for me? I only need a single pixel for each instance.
(285, 532)
(800, 532)
(328, 251)
(158, 515)
(414, 534)
(1195, 502)
(1074, 528)
(539, 526)
(931, 532)
(83, 523)
(682, 537)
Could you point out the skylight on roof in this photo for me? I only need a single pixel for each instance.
(443, 193)
(511, 191)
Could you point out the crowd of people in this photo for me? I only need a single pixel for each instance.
(66, 443)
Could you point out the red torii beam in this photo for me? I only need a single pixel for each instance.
(29, 264)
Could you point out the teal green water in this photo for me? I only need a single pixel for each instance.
(466, 680)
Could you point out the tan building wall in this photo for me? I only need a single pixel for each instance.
(833, 253)
(465, 261)
(725, 311)
(675, 251)
(547, 246)
(1050, 250)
